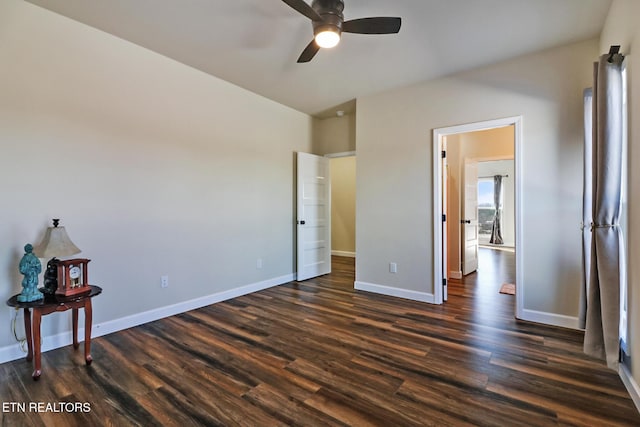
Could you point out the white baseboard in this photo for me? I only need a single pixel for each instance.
(630, 384)
(13, 352)
(550, 319)
(344, 253)
(455, 275)
(395, 292)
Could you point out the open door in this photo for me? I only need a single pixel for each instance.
(314, 216)
(445, 215)
(470, 219)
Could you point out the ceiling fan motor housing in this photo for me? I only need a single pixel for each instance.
(328, 24)
(331, 13)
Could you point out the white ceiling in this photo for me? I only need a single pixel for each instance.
(255, 43)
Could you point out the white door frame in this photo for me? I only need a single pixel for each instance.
(439, 256)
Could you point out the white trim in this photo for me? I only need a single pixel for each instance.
(344, 253)
(13, 351)
(546, 318)
(440, 257)
(343, 154)
(394, 292)
(630, 384)
(455, 275)
(518, 187)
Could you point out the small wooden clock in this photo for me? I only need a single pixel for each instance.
(73, 277)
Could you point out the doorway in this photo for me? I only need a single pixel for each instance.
(343, 204)
(325, 199)
(451, 227)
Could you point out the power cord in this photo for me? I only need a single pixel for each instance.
(22, 341)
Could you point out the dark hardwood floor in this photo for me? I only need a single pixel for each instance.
(319, 353)
(480, 290)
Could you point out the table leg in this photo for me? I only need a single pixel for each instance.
(74, 317)
(37, 317)
(27, 331)
(88, 314)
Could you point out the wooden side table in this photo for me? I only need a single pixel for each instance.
(51, 304)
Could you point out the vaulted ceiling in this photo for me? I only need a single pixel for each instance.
(255, 43)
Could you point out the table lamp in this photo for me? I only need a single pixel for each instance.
(56, 243)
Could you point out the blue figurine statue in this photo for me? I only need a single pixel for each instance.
(30, 267)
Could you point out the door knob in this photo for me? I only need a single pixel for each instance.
(302, 222)
(465, 221)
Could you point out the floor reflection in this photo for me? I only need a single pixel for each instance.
(495, 267)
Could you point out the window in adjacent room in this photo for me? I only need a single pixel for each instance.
(486, 209)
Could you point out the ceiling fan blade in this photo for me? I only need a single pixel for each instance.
(380, 25)
(309, 52)
(302, 7)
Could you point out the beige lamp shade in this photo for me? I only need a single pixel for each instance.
(56, 243)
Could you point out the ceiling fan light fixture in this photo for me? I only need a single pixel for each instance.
(327, 37)
(328, 24)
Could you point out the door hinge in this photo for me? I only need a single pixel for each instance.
(444, 218)
(444, 283)
(444, 154)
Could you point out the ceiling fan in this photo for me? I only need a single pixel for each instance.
(328, 24)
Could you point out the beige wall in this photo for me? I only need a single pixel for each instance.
(343, 205)
(394, 205)
(489, 144)
(622, 28)
(334, 135)
(155, 168)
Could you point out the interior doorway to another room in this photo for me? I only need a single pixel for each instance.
(472, 243)
(325, 210)
(343, 204)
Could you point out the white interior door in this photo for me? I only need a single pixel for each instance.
(470, 219)
(313, 217)
(445, 217)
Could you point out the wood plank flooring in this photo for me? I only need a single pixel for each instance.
(318, 353)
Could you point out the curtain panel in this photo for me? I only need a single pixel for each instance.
(587, 204)
(496, 227)
(601, 338)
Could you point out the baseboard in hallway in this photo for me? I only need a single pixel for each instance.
(344, 253)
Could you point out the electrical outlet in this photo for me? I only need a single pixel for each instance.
(259, 263)
(164, 281)
(393, 267)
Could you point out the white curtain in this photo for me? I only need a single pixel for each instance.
(587, 203)
(604, 268)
